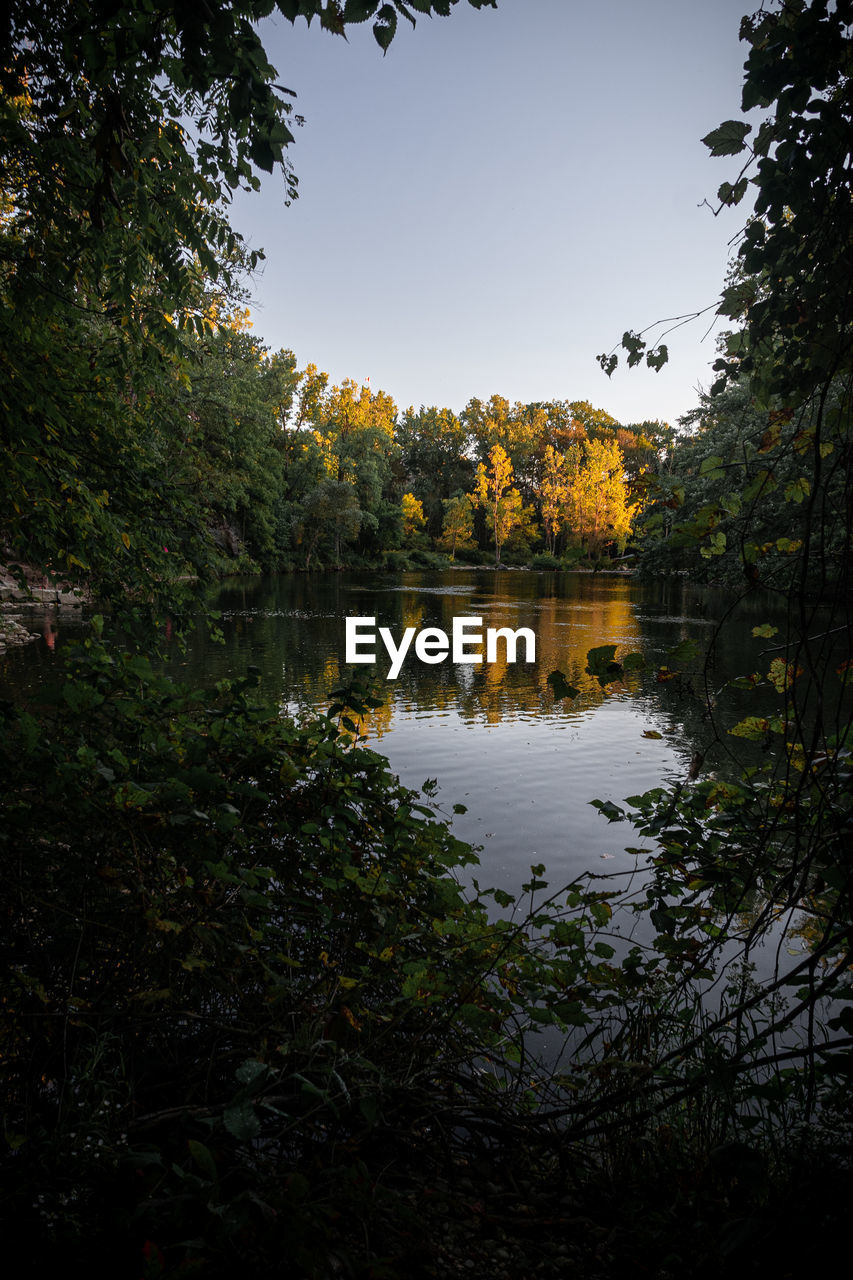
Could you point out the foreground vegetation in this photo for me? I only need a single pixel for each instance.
(250, 1018)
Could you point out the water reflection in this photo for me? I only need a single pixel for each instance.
(493, 735)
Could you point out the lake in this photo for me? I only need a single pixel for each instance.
(492, 736)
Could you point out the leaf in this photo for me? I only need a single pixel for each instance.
(765, 631)
(651, 733)
(358, 10)
(711, 465)
(601, 663)
(716, 546)
(662, 921)
(203, 1158)
(753, 728)
(240, 1121)
(728, 138)
(658, 357)
(561, 687)
(782, 674)
(251, 1071)
(683, 653)
(732, 193)
(611, 811)
(797, 490)
(385, 26)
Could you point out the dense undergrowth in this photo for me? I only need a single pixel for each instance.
(251, 1017)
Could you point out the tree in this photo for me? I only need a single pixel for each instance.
(330, 514)
(124, 131)
(237, 397)
(432, 443)
(554, 496)
(458, 527)
(413, 516)
(597, 506)
(780, 422)
(494, 494)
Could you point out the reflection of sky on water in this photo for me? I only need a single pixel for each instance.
(527, 783)
(492, 734)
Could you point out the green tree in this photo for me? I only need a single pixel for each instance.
(458, 527)
(433, 444)
(124, 131)
(330, 515)
(235, 404)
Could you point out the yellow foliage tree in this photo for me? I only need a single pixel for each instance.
(554, 496)
(413, 515)
(597, 506)
(494, 493)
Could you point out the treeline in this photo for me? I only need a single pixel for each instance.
(277, 469)
(295, 473)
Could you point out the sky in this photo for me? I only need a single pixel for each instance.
(494, 202)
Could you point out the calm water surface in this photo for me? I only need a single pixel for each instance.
(493, 736)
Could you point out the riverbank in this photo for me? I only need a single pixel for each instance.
(36, 591)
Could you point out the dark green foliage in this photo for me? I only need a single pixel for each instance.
(239, 974)
(739, 500)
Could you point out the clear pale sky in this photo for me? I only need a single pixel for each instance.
(490, 205)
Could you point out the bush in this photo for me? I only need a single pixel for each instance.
(397, 561)
(473, 555)
(240, 975)
(423, 559)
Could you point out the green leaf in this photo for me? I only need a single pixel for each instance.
(358, 10)
(251, 1071)
(611, 811)
(658, 357)
(203, 1158)
(732, 194)
(561, 687)
(797, 490)
(385, 26)
(728, 138)
(602, 664)
(765, 631)
(683, 653)
(240, 1121)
